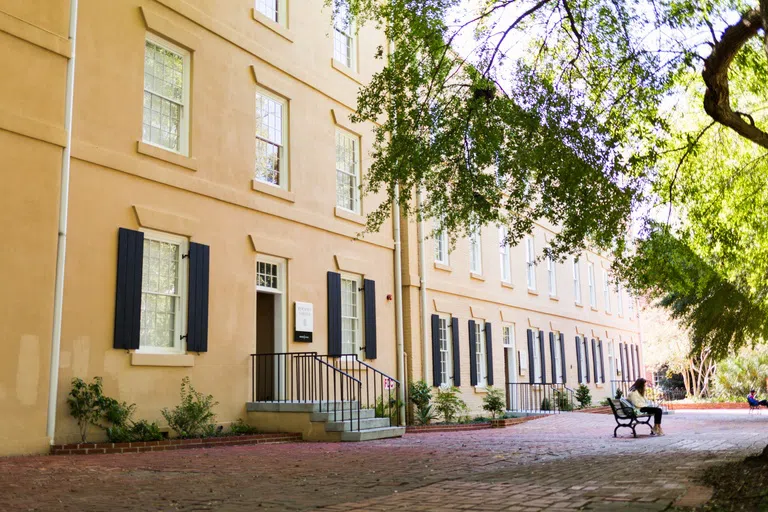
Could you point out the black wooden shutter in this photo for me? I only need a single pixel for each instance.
(562, 357)
(594, 358)
(531, 372)
(552, 361)
(578, 359)
(456, 352)
(543, 360)
(488, 354)
(472, 353)
(369, 303)
(130, 255)
(586, 358)
(334, 314)
(602, 362)
(436, 351)
(197, 308)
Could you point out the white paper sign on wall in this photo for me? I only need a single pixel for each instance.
(304, 321)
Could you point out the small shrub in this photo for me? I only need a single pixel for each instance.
(193, 417)
(388, 408)
(583, 396)
(605, 402)
(619, 394)
(449, 404)
(420, 394)
(546, 404)
(425, 415)
(86, 404)
(494, 402)
(562, 401)
(241, 428)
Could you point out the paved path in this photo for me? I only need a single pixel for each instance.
(568, 461)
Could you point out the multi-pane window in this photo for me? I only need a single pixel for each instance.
(631, 306)
(537, 376)
(267, 275)
(161, 293)
(351, 311)
(619, 301)
(599, 362)
(347, 171)
(530, 263)
(446, 361)
(552, 276)
(557, 358)
(506, 272)
(482, 374)
(270, 8)
(584, 362)
(270, 139)
(344, 37)
(166, 93)
(508, 335)
(441, 247)
(591, 284)
(606, 292)
(576, 281)
(475, 252)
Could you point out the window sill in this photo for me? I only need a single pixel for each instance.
(609, 313)
(555, 298)
(348, 215)
(578, 304)
(272, 25)
(273, 190)
(504, 284)
(443, 266)
(481, 389)
(476, 277)
(532, 292)
(145, 359)
(166, 155)
(348, 72)
(593, 308)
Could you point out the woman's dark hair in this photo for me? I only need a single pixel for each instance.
(639, 386)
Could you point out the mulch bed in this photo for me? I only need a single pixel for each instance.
(170, 444)
(506, 422)
(739, 485)
(704, 405)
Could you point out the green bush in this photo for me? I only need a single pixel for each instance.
(86, 404)
(494, 402)
(449, 404)
(425, 415)
(562, 401)
(619, 394)
(388, 408)
(194, 416)
(241, 428)
(419, 393)
(546, 404)
(736, 375)
(583, 396)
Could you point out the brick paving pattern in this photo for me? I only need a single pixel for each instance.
(565, 462)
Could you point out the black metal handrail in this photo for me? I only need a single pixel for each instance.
(540, 397)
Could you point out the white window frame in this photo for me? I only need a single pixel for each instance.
(186, 57)
(557, 356)
(584, 363)
(504, 261)
(537, 376)
(480, 360)
(508, 335)
(441, 247)
(281, 9)
(283, 177)
(591, 284)
(445, 336)
(600, 362)
(630, 306)
(576, 281)
(356, 188)
(359, 340)
(619, 301)
(476, 252)
(530, 262)
(552, 276)
(350, 36)
(180, 315)
(606, 291)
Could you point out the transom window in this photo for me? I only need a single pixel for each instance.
(591, 284)
(606, 292)
(446, 361)
(441, 247)
(508, 335)
(344, 37)
(576, 281)
(267, 275)
(351, 315)
(271, 124)
(552, 276)
(506, 273)
(347, 171)
(166, 95)
(163, 280)
(475, 252)
(530, 262)
(480, 361)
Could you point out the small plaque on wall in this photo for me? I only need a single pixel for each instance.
(304, 322)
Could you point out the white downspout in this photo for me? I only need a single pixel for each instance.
(399, 305)
(425, 361)
(58, 296)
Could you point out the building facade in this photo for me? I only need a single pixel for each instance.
(213, 190)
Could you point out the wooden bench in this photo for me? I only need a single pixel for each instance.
(626, 417)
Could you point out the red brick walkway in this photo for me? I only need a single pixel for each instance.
(562, 462)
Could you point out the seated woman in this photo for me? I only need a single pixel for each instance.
(637, 398)
(753, 401)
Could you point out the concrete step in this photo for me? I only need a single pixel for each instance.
(300, 406)
(332, 416)
(365, 424)
(373, 434)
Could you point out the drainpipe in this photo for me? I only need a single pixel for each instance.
(425, 362)
(58, 296)
(399, 305)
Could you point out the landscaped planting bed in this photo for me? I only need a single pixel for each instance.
(459, 427)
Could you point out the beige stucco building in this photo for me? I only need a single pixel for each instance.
(213, 185)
